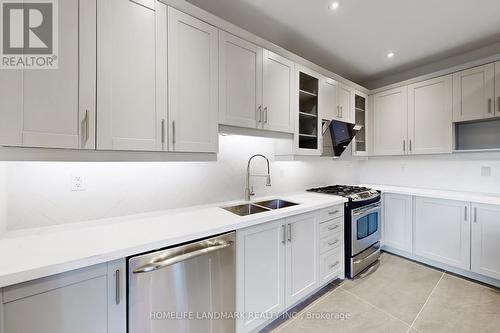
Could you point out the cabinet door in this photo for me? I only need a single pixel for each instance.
(398, 221)
(390, 119)
(260, 272)
(278, 81)
(240, 82)
(328, 107)
(80, 301)
(55, 108)
(430, 112)
(485, 245)
(346, 103)
(497, 89)
(129, 117)
(192, 83)
(301, 257)
(473, 93)
(442, 231)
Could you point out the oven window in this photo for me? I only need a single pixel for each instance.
(367, 225)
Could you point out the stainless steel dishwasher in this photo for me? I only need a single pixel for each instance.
(188, 288)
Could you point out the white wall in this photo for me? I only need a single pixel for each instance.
(459, 172)
(39, 193)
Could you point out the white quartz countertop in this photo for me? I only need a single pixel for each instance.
(34, 253)
(484, 198)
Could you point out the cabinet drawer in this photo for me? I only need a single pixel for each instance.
(330, 264)
(331, 213)
(331, 242)
(329, 228)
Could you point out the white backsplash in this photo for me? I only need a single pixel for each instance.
(39, 193)
(458, 172)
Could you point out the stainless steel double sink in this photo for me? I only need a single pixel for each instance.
(259, 207)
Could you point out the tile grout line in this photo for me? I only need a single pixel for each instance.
(426, 301)
(288, 322)
(376, 307)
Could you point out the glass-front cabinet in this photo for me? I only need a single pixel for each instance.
(359, 144)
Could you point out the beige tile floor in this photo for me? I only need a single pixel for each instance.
(399, 295)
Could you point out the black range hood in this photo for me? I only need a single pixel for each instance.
(337, 135)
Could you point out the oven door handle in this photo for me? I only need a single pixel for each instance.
(367, 210)
(377, 251)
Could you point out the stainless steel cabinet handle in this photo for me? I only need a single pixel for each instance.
(333, 243)
(259, 113)
(334, 227)
(283, 229)
(155, 265)
(333, 265)
(466, 211)
(489, 105)
(289, 232)
(410, 146)
(498, 102)
(334, 212)
(173, 132)
(404, 146)
(475, 214)
(265, 115)
(86, 128)
(163, 131)
(117, 286)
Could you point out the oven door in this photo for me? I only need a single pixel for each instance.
(365, 227)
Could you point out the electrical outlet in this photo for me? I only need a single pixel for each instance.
(486, 171)
(77, 183)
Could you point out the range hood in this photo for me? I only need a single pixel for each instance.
(337, 135)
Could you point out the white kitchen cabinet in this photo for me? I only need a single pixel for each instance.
(430, 112)
(260, 272)
(301, 257)
(131, 76)
(346, 103)
(81, 301)
(360, 142)
(473, 93)
(390, 122)
(497, 89)
(398, 221)
(192, 84)
(485, 246)
(55, 108)
(328, 97)
(442, 231)
(278, 96)
(240, 82)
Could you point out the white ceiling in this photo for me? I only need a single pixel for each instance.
(354, 40)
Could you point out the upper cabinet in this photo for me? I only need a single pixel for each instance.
(131, 73)
(415, 119)
(346, 104)
(430, 128)
(278, 106)
(497, 89)
(55, 107)
(255, 86)
(337, 101)
(473, 93)
(192, 83)
(360, 147)
(308, 121)
(390, 119)
(240, 82)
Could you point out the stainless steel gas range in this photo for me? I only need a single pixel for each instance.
(362, 225)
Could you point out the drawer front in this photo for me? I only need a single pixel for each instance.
(331, 213)
(331, 264)
(329, 228)
(332, 242)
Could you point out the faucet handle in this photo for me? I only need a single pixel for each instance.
(251, 191)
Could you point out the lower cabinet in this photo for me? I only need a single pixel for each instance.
(398, 221)
(277, 266)
(442, 230)
(80, 301)
(485, 245)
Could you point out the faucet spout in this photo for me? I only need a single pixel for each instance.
(249, 190)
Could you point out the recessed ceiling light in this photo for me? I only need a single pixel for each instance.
(334, 5)
(390, 55)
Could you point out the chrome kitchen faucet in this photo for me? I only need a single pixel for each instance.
(249, 189)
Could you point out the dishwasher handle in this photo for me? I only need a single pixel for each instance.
(153, 266)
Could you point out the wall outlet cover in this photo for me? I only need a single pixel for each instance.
(77, 183)
(486, 171)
